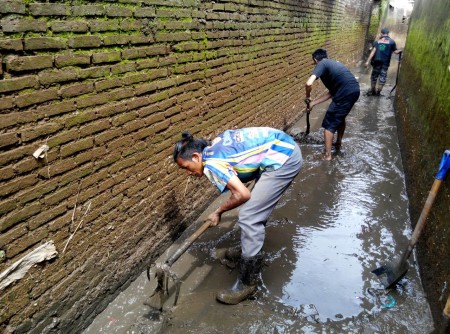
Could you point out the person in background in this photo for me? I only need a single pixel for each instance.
(234, 157)
(343, 89)
(380, 59)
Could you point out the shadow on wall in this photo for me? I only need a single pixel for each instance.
(172, 215)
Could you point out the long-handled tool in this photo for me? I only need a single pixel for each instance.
(301, 136)
(308, 111)
(398, 70)
(390, 274)
(163, 272)
(445, 325)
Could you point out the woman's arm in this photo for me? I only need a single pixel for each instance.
(239, 195)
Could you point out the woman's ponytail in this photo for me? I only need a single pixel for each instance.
(188, 145)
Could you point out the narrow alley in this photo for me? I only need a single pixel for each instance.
(337, 222)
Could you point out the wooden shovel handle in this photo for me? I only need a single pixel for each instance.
(425, 211)
(188, 242)
(446, 311)
(444, 166)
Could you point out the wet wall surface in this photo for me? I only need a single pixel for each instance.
(338, 221)
(423, 116)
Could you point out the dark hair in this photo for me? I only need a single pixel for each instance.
(188, 145)
(320, 54)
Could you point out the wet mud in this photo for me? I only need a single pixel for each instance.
(337, 222)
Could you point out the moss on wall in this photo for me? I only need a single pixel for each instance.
(423, 105)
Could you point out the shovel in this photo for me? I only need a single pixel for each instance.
(308, 111)
(398, 70)
(163, 272)
(301, 137)
(390, 274)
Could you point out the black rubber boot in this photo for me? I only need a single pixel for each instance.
(246, 283)
(233, 253)
(371, 92)
(232, 257)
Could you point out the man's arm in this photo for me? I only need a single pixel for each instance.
(308, 86)
(372, 53)
(321, 99)
(239, 195)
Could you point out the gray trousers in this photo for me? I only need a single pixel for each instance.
(264, 197)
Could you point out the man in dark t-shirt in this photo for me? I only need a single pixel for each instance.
(343, 89)
(380, 59)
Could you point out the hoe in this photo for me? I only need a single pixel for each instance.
(163, 273)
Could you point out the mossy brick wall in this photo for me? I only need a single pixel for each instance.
(374, 24)
(109, 86)
(423, 117)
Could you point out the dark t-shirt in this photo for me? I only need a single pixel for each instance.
(337, 78)
(384, 46)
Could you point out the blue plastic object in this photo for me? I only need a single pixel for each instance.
(391, 302)
(444, 166)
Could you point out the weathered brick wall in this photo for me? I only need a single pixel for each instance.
(373, 29)
(109, 86)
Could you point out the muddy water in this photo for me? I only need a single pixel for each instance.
(337, 222)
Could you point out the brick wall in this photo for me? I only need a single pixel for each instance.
(378, 10)
(109, 86)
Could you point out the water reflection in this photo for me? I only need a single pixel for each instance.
(346, 220)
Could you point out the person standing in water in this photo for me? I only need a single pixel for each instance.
(266, 155)
(380, 59)
(343, 89)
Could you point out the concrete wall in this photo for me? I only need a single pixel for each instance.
(109, 86)
(423, 105)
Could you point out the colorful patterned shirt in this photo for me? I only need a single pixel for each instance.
(246, 153)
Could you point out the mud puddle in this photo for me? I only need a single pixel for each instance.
(337, 222)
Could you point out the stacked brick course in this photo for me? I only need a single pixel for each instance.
(109, 86)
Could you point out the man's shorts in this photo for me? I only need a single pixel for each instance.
(379, 73)
(338, 110)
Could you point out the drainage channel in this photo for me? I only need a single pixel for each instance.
(338, 221)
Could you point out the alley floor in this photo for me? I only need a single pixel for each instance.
(338, 221)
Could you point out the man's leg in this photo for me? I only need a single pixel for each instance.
(340, 135)
(373, 85)
(374, 77)
(264, 197)
(330, 124)
(379, 89)
(382, 79)
(334, 120)
(252, 219)
(328, 137)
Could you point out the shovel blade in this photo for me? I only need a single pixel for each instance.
(390, 275)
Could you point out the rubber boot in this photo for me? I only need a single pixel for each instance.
(379, 89)
(232, 257)
(233, 253)
(246, 283)
(370, 92)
